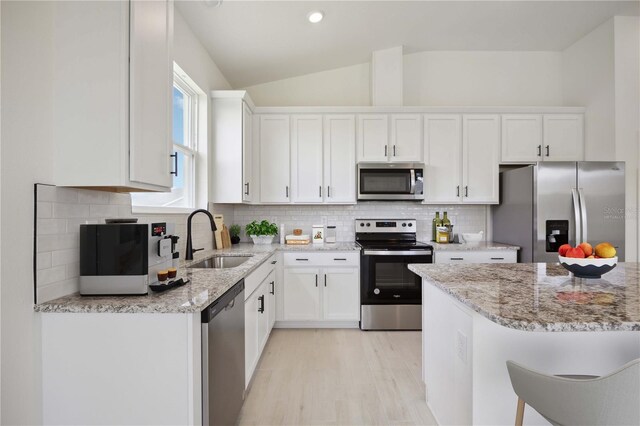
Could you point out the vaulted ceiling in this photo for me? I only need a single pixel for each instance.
(259, 41)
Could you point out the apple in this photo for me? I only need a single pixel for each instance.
(562, 251)
(586, 248)
(575, 253)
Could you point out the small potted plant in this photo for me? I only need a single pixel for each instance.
(261, 233)
(234, 231)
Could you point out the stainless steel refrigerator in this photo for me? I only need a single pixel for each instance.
(545, 205)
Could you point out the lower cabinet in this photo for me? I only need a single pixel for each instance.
(476, 256)
(259, 314)
(328, 289)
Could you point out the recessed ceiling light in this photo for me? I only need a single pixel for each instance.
(315, 16)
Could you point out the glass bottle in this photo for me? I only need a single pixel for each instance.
(445, 220)
(434, 225)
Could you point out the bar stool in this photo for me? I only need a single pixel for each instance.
(613, 399)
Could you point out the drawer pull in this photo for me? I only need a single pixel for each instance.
(273, 262)
(302, 259)
(497, 258)
(457, 258)
(340, 258)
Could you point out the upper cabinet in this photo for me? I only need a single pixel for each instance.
(373, 137)
(527, 138)
(389, 138)
(230, 171)
(563, 137)
(323, 159)
(405, 144)
(116, 134)
(339, 159)
(461, 158)
(274, 134)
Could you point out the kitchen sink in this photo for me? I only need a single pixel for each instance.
(220, 262)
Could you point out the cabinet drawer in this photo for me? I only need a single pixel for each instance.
(322, 259)
(253, 280)
(487, 256)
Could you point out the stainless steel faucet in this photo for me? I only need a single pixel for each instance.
(190, 250)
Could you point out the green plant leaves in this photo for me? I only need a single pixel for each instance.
(262, 228)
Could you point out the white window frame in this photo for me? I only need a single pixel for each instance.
(192, 149)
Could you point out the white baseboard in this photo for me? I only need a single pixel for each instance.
(317, 324)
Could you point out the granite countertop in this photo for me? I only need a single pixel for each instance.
(542, 296)
(479, 246)
(205, 287)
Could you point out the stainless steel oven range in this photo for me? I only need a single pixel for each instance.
(390, 294)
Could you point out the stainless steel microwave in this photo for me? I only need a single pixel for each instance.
(391, 181)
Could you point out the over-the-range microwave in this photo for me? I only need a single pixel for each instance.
(391, 181)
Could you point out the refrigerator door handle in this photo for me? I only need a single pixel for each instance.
(583, 214)
(576, 215)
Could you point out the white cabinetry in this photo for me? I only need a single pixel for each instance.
(339, 159)
(323, 159)
(259, 313)
(527, 138)
(405, 144)
(274, 158)
(116, 134)
(230, 174)
(306, 158)
(462, 160)
(377, 144)
(563, 137)
(443, 146)
(476, 256)
(321, 288)
(521, 138)
(480, 158)
(373, 137)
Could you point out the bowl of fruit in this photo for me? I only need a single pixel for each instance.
(585, 261)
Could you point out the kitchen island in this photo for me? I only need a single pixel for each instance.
(137, 359)
(478, 316)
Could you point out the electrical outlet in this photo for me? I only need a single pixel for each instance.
(461, 346)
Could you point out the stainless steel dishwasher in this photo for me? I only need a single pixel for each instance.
(223, 358)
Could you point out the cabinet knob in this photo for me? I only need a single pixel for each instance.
(466, 191)
(539, 150)
(547, 148)
(385, 150)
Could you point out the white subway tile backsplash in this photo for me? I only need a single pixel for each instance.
(44, 210)
(63, 211)
(103, 211)
(51, 275)
(43, 260)
(51, 226)
(65, 257)
(93, 197)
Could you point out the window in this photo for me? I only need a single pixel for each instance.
(186, 120)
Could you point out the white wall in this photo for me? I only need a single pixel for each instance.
(482, 78)
(588, 80)
(348, 86)
(27, 148)
(431, 78)
(26, 152)
(627, 117)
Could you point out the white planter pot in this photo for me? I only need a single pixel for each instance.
(262, 239)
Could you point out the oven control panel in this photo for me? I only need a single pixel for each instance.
(386, 225)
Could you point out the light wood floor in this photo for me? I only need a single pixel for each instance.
(338, 377)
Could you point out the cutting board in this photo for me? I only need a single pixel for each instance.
(226, 238)
(218, 219)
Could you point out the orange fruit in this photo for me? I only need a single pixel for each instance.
(605, 250)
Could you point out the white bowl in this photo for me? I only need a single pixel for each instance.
(472, 237)
(588, 268)
(262, 239)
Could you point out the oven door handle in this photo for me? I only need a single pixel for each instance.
(398, 252)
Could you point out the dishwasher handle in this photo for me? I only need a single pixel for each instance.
(227, 300)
